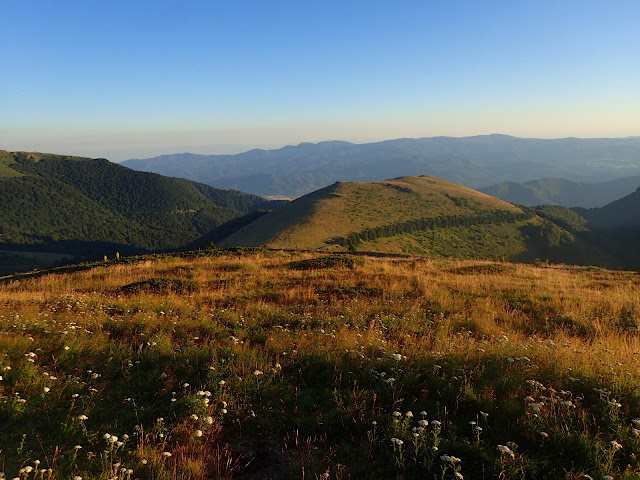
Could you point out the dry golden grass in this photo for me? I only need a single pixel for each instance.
(301, 351)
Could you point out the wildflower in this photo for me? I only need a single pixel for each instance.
(257, 372)
(198, 433)
(544, 434)
(221, 383)
(223, 411)
(536, 407)
(436, 423)
(502, 338)
(458, 476)
(194, 417)
(77, 447)
(636, 422)
(607, 477)
(485, 415)
(77, 477)
(396, 442)
(397, 357)
(374, 423)
(209, 420)
(423, 413)
(635, 432)
(397, 414)
(82, 418)
(504, 450)
(423, 423)
(450, 459)
(46, 389)
(166, 454)
(409, 414)
(615, 445)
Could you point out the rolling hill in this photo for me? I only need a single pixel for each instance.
(558, 191)
(478, 161)
(422, 215)
(90, 207)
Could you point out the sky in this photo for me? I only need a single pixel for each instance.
(139, 78)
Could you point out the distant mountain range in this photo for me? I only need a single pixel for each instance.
(89, 208)
(558, 191)
(476, 162)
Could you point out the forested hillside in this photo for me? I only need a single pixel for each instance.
(88, 207)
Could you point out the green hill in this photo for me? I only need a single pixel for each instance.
(425, 216)
(558, 191)
(621, 214)
(91, 207)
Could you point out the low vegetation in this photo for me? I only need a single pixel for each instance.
(258, 364)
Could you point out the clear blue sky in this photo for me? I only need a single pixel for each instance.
(137, 78)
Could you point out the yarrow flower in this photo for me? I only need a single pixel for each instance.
(615, 445)
(450, 459)
(504, 450)
(396, 442)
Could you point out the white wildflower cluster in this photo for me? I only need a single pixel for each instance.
(452, 463)
(397, 357)
(504, 450)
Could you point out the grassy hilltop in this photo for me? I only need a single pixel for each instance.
(422, 216)
(261, 365)
(321, 217)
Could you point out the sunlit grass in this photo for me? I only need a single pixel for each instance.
(246, 365)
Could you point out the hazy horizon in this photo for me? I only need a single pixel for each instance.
(123, 80)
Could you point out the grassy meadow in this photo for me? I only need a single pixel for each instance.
(256, 364)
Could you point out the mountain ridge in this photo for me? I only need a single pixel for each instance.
(559, 191)
(478, 161)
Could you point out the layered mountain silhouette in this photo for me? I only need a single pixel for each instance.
(558, 191)
(479, 161)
